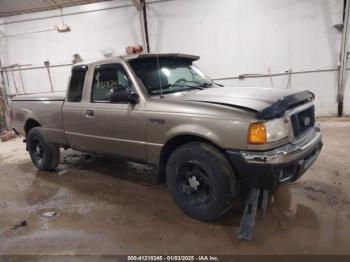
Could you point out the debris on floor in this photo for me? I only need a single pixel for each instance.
(62, 172)
(21, 224)
(7, 135)
(49, 214)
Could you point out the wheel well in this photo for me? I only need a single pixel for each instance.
(29, 125)
(171, 145)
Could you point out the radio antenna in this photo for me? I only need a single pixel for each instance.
(160, 80)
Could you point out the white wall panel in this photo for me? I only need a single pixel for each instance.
(90, 33)
(232, 37)
(236, 37)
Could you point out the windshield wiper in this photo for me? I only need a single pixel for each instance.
(218, 84)
(207, 84)
(190, 86)
(199, 86)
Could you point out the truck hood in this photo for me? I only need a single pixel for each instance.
(252, 98)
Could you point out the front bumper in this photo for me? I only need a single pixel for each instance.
(266, 169)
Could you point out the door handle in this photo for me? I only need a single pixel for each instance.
(89, 113)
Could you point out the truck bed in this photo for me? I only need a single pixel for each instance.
(44, 108)
(55, 96)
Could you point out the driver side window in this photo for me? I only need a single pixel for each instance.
(108, 79)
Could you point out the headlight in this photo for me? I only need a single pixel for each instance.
(266, 132)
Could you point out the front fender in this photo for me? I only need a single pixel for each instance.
(224, 133)
(193, 130)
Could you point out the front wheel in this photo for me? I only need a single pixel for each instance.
(201, 180)
(44, 154)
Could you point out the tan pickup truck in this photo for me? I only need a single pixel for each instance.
(205, 139)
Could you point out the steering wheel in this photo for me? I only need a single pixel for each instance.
(180, 80)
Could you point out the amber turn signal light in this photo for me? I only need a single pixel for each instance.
(257, 134)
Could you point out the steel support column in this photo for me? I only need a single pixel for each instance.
(343, 59)
(145, 24)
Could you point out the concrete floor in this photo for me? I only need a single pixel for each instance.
(109, 206)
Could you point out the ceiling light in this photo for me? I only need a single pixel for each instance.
(63, 28)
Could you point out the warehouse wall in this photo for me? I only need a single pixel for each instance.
(2, 31)
(256, 37)
(91, 34)
(232, 37)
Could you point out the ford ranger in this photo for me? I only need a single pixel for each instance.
(204, 139)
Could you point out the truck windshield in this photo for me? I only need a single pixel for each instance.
(169, 75)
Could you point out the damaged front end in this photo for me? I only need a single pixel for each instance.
(264, 170)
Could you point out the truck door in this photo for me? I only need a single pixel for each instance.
(98, 125)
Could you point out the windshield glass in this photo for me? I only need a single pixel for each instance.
(174, 75)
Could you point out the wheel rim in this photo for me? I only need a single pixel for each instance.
(193, 182)
(38, 151)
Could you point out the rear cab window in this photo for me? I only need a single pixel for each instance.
(76, 85)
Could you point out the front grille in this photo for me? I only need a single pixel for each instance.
(303, 121)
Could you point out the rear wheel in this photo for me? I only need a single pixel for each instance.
(44, 154)
(201, 180)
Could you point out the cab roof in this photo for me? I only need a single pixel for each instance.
(139, 56)
(153, 55)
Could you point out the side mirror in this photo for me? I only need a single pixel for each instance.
(133, 98)
(124, 95)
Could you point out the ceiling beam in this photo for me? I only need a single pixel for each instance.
(8, 9)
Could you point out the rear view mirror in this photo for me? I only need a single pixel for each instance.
(124, 95)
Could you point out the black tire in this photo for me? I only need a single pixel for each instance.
(44, 155)
(201, 180)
